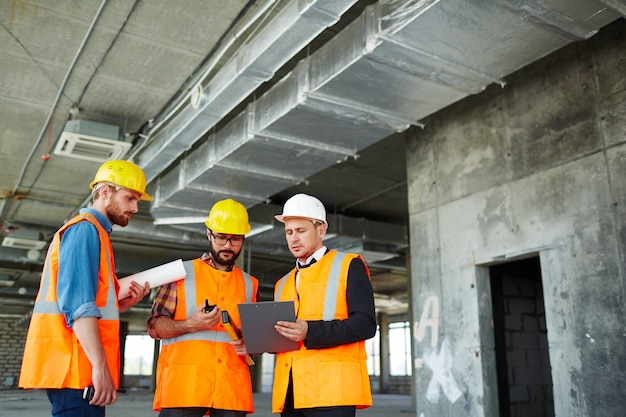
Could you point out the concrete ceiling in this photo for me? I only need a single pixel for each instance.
(254, 100)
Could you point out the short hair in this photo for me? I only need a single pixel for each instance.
(95, 192)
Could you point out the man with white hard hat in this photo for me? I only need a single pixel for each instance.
(334, 301)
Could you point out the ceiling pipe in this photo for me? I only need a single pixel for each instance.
(293, 28)
(214, 59)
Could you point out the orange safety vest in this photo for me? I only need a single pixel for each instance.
(53, 356)
(201, 369)
(329, 377)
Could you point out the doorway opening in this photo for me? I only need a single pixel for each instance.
(521, 343)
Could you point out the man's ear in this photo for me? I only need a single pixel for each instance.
(105, 191)
(322, 229)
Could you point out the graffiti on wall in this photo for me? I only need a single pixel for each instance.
(438, 361)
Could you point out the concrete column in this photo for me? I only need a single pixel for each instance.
(256, 373)
(123, 334)
(536, 168)
(412, 328)
(155, 360)
(383, 323)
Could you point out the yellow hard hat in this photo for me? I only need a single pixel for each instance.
(122, 173)
(229, 217)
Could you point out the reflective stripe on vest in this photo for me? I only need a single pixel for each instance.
(109, 311)
(281, 285)
(332, 287)
(190, 300)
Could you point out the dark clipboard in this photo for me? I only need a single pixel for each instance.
(257, 325)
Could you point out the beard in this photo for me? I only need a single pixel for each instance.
(116, 214)
(224, 257)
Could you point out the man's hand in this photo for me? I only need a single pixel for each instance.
(104, 389)
(88, 335)
(137, 292)
(240, 347)
(204, 321)
(293, 330)
(166, 327)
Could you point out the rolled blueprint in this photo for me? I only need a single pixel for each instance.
(159, 275)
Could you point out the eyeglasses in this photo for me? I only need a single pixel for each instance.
(234, 240)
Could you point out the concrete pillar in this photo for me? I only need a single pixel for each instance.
(537, 168)
(256, 373)
(155, 360)
(123, 334)
(383, 323)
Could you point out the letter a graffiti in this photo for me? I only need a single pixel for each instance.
(439, 363)
(429, 318)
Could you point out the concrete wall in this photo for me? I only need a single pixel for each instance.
(535, 168)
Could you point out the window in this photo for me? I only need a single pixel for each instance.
(400, 363)
(372, 348)
(138, 352)
(267, 371)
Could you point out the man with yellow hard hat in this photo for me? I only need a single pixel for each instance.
(200, 369)
(73, 339)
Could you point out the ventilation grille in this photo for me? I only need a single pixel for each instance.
(21, 243)
(90, 148)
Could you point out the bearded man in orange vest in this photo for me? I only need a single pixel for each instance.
(200, 369)
(73, 339)
(334, 301)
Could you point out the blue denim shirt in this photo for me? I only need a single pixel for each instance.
(79, 262)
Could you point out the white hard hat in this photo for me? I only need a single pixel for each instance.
(304, 206)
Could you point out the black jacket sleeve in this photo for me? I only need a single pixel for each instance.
(361, 321)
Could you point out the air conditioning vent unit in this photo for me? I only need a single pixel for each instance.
(22, 243)
(92, 141)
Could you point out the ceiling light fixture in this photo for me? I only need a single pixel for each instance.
(23, 243)
(168, 221)
(257, 230)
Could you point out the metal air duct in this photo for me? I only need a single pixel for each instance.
(398, 63)
(297, 24)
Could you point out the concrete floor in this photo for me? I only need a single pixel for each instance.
(33, 403)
